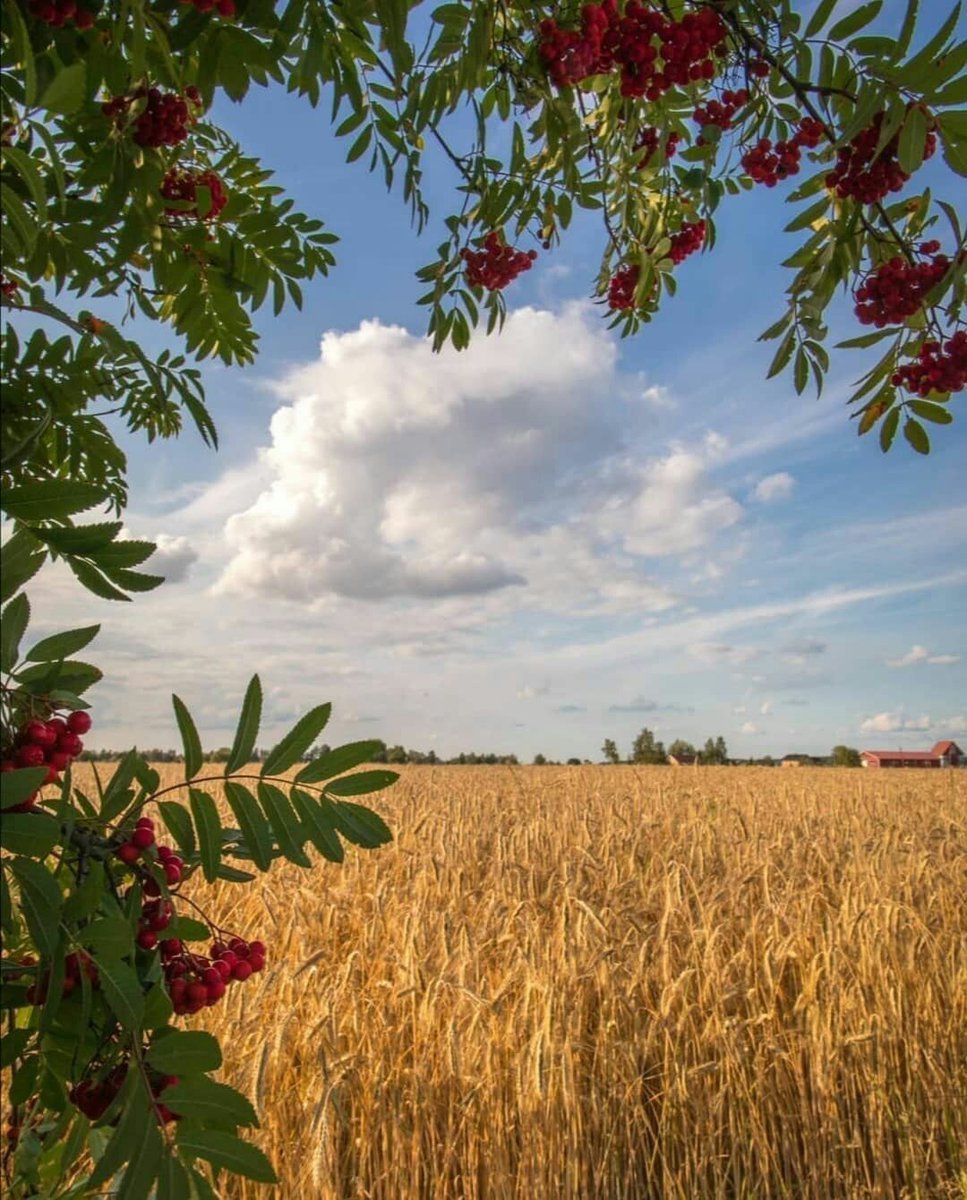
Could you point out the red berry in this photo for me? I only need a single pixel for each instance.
(142, 838)
(197, 993)
(241, 971)
(38, 732)
(147, 939)
(128, 854)
(79, 722)
(69, 743)
(30, 755)
(172, 873)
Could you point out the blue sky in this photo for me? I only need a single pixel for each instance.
(551, 539)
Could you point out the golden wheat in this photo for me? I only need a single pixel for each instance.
(620, 983)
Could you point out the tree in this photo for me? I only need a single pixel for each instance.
(610, 751)
(845, 756)
(715, 753)
(396, 754)
(116, 184)
(682, 749)
(540, 760)
(646, 749)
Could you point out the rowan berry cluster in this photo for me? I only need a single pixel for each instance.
(862, 174)
(184, 185)
(497, 264)
(59, 12)
(937, 368)
(621, 289)
(54, 743)
(652, 52)
(76, 965)
(895, 289)
(691, 237)
(8, 289)
(140, 843)
(649, 140)
(721, 112)
(94, 1097)
(224, 8)
(163, 121)
(197, 981)
(767, 164)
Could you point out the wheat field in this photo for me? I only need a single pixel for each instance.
(616, 982)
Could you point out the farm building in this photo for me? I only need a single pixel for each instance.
(683, 760)
(944, 754)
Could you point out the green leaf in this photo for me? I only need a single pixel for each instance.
(297, 741)
(179, 825)
(184, 1052)
(51, 499)
(13, 1044)
(253, 825)
(142, 1170)
(358, 824)
(362, 783)
(18, 786)
(62, 645)
(819, 18)
(226, 1152)
(359, 146)
(132, 1106)
(248, 727)
(913, 140)
(158, 1009)
(930, 411)
(66, 91)
(343, 758)
(285, 824)
(188, 929)
(202, 1099)
(33, 834)
(916, 435)
(173, 1181)
(40, 900)
(854, 21)
(209, 828)
(122, 990)
(318, 824)
(92, 579)
(888, 429)
(189, 739)
(70, 675)
(13, 625)
(111, 937)
(117, 794)
(20, 559)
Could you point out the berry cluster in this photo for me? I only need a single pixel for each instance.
(621, 289)
(767, 164)
(497, 264)
(75, 965)
(691, 237)
(895, 289)
(164, 119)
(139, 844)
(936, 368)
(862, 174)
(721, 112)
(8, 289)
(649, 141)
(196, 981)
(54, 744)
(184, 185)
(653, 52)
(224, 8)
(59, 12)
(95, 1097)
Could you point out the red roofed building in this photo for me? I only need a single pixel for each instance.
(944, 754)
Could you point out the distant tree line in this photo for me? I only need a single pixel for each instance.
(649, 750)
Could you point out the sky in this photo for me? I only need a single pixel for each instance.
(552, 538)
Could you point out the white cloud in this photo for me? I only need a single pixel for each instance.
(894, 722)
(173, 558)
(774, 487)
(956, 724)
(920, 654)
(749, 727)
(765, 708)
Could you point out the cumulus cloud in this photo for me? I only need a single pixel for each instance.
(920, 654)
(774, 487)
(749, 727)
(894, 722)
(173, 559)
(765, 708)
(396, 473)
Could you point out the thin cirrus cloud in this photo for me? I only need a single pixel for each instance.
(920, 654)
(397, 474)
